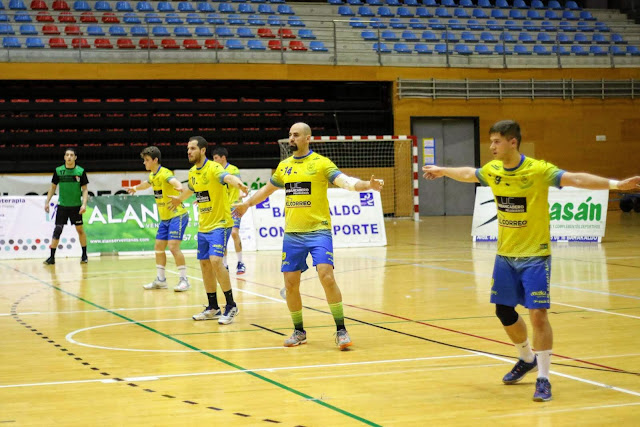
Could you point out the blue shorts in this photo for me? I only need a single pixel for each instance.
(524, 281)
(296, 247)
(213, 243)
(173, 229)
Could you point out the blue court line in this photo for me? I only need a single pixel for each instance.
(212, 356)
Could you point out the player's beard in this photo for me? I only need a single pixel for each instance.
(293, 146)
(195, 159)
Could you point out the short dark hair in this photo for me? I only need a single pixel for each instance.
(153, 152)
(73, 150)
(202, 143)
(220, 151)
(507, 128)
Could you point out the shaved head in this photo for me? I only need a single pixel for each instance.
(303, 128)
(299, 137)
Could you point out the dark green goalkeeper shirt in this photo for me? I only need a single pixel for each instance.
(70, 182)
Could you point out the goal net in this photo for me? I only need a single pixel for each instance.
(391, 158)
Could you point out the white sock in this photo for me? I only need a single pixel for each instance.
(160, 269)
(525, 351)
(544, 363)
(182, 269)
(224, 260)
(239, 256)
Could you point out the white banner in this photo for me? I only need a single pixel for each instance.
(108, 183)
(576, 214)
(356, 220)
(26, 230)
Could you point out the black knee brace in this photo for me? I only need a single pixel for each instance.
(57, 231)
(507, 315)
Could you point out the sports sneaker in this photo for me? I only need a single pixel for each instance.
(543, 390)
(84, 260)
(183, 285)
(342, 339)
(240, 269)
(230, 312)
(156, 284)
(521, 369)
(50, 261)
(297, 338)
(208, 314)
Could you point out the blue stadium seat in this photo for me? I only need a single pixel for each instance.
(442, 12)
(485, 4)
(450, 36)
(152, 18)
(559, 50)
(530, 26)
(345, 11)
(285, 9)
(124, 6)
(429, 36)
(235, 19)
(463, 49)
(410, 36)
(102, 6)
(224, 32)
(525, 38)
(306, 34)
(544, 38)
(480, 14)
(6, 29)
(173, 19)
(547, 26)
(599, 39)
(572, 5)
(474, 25)
(423, 12)
(585, 15)
(493, 25)
(404, 12)
(502, 4)
(204, 32)
(566, 26)
(389, 35)
(397, 23)
(468, 37)
(95, 30)
(579, 50)
(256, 20)
(563, 38)
(226, 8)
(246, 8)
(569, 16)
(487, 37)
(351, 2)
(417, 24)
(586, 27)
(533, 14)
(377, 23)
(139, 31)
(234, 44)
(22, 16)
(502, 49)
(317, 46)
(256, 45)
(117, 30)
(411, 2)
(429, 3)
(440, 48)
(466, 3)
(401, 48)
(185, 6)
(181, 31)
(515, 14)
(385, 12)
(520, 4)
(28, 30)
(17, 5)
(268, 10)
(131, 18)
(34, 43)
(482, 49)
(375, 2)
(617, 39)
(422, 48)
(448, 3)
(381, 48)
(215, 19)
(498, 14)
(633, 50)
(597, 50)
(512, 25)
(455, 24)
(521, 49)
(10, 42)
(461, 13)
(194, 19)
(537, 4)
(616, 50)
(357, 23)
(507, 37)
(581, 39)
(81, 6)
(602, 27)
(435, 24)
(541, 50)
(274, 21)
(164, 6)
(553, 4)
(205, 7)
(550, 14)
(365, 11)
(245, 32)
(160, 31)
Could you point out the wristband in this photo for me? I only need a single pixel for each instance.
(613, 184)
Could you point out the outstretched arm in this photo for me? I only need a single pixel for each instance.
(355, 184)
(241, 208)
(594, 182)
(236, 182)
(463, 174)
(142, 186)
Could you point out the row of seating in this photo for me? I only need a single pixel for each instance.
(153, 18)
(501, 4)
(443, 12)
(125, 43)
(124, 6)
(519, 49)
(474, 24)
(488, 37)
(158, 31)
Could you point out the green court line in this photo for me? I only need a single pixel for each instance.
(212, 356)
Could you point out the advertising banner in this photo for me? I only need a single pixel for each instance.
(356, 219)
(576, 214)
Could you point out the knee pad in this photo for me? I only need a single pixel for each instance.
(507, 315)
(57, 231)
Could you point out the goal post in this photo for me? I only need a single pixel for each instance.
(391, 158)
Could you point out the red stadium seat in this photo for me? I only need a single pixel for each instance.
(87, 17)
(80, 43)
(44, 17)
(72, 30)
(110, 18)
(60, 5)
(191, 44)
(38, 5)
(276, 45)
(125, 44)
(265, 33)
(147, 44)
(169, 44)
(286, 33)
(66, 17)
(50, 30)
(297, 45)
(57, 43)
(213, 44)
(103, 44)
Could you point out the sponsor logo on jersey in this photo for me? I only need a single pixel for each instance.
(297, 188)
(202, 196)
(511, 204)
(298, 204)
(157, 194)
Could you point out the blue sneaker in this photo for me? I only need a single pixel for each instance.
(521, 369)
(543, 390)
(241, 269)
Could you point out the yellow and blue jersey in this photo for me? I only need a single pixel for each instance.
(162, 189)
(233, 192)
(305, 180)
(521, 196)
(207, 182)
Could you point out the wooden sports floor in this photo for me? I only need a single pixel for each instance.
(86, 345)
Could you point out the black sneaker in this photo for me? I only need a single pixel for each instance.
(521, 369)
(50, 261)
(84, 260)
